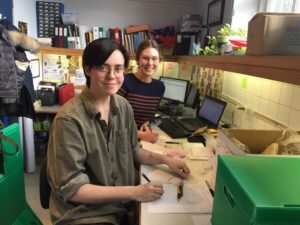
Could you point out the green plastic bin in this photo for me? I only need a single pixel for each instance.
(257, 190)
(14, 209)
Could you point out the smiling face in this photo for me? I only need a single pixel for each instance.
(148, 62)
(107, 80)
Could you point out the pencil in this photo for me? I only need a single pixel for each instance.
(146, 178)
(209, 188)
(179, 191)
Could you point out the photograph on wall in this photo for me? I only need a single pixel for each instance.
(22, 27)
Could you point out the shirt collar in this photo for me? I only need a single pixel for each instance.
(89, 103)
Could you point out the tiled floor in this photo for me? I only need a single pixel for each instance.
(33, 196)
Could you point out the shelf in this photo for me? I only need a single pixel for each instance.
(274, 67)
(60, 51)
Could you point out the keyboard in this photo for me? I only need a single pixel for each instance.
(187, 124)
(173, 129)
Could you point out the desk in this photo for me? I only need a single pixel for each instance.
(200, 170)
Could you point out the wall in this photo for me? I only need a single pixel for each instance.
(25, 11)
(112, 13)
(276, 100)
(243, 11)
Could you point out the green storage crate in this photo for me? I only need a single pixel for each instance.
(257, 190)
(14, 209)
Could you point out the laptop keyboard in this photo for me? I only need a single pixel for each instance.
(188, 125)
(173, 129)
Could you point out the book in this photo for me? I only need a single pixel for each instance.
(136, 28)
(96, 34)
(115, 33)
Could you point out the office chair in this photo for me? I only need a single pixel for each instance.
(44, 185)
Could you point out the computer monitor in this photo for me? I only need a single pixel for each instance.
(192, 97)
(176, 89)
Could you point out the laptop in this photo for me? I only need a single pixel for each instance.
(208, 114)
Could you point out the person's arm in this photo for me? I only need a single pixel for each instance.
(178, 166)
(95, 194)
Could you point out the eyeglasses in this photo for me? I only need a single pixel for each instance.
(118, 70)
(147, 58)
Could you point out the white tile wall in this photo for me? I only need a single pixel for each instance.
(276, 100)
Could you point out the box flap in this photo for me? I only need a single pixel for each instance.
(256, 140)
(266, 14)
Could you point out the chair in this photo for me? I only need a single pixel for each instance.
(44, 185)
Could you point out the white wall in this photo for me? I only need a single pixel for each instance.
(276, 100)
(243, 11)
(24, 10)
(112, 13)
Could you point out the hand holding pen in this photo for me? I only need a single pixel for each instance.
(149, 191)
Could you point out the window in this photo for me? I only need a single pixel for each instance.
(280, 5)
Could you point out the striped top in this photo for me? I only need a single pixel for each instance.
(143, 97)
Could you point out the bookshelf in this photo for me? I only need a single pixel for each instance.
(274, 67)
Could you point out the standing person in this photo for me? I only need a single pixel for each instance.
(143, 91)
(93, 146)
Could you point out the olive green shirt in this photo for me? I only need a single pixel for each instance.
(83, 149)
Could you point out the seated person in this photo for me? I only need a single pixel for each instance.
(142, 91)
(93, 146)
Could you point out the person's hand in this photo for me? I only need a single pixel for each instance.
(148, 192)
(149, 136)
(178, 166)
(146, 134)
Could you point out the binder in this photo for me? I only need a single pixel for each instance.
(184, 42)
(96, 34)
(65, 37)
(115, 33)
(60, 35)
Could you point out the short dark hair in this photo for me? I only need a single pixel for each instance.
(147, 44)
(98, 51)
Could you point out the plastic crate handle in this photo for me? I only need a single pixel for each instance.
(229, 197)
(12, 142)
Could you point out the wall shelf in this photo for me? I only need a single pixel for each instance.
(275, 67)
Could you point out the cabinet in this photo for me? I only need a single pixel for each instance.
(274, 67)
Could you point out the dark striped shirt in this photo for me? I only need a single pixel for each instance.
(143, 97)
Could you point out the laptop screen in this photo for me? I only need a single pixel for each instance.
(211, 110)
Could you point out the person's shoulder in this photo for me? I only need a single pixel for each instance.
(158, 83)
(71, 107)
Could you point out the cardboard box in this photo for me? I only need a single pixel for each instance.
(256, 140)
(252, 190)
(274, 34)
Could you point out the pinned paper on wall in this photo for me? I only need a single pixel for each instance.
(185, 71)
(171, 69)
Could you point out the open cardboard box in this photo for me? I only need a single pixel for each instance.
(256, 140)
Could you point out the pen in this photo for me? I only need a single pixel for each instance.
(209, 188)
(146, 178)
(172, 142)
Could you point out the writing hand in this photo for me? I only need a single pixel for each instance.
(148, 192)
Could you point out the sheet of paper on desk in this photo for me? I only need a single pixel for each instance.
(196, 199)
(197, 151)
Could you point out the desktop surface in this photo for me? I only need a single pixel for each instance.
(200, 171)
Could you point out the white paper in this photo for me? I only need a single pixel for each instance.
(196, 199)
